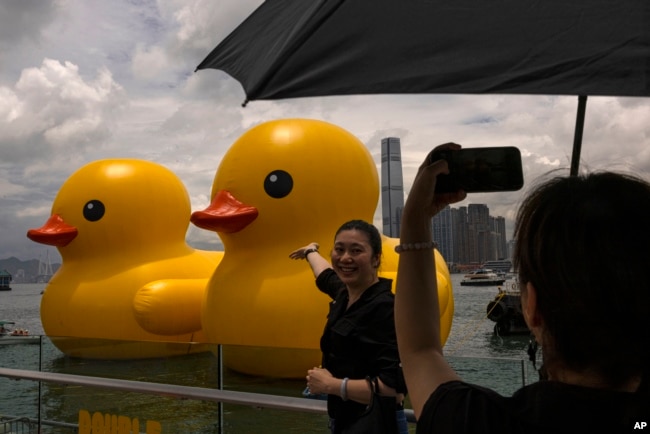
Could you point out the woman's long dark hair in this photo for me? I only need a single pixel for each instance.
(584, 244)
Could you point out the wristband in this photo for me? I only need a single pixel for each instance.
(308, 251)
(344, 389)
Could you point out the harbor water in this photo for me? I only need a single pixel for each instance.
(473, 349)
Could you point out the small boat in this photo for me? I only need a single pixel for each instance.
(483, 277)
(505, 311)
(10, 335)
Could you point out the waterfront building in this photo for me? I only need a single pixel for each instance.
(478, 219)
(499, 266)
(461, 235)
(500, 238)
(510, 245)
(5, 280)
(392, 186)
(443, 234)
(469, 236)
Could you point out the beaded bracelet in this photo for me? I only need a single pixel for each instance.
(344, 389)
(424, 245)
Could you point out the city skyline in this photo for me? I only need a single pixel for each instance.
(469, 235)
(464, 235)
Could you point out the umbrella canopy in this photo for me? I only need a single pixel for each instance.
(298, 48)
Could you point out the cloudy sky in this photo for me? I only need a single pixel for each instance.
(83, 80)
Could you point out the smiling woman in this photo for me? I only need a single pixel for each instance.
(359, 340)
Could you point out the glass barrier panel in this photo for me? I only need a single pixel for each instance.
(19, 399)
(504, 376)
(62, 407)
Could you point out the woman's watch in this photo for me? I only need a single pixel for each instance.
(308, 251)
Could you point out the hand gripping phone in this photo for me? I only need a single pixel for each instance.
(482, 170)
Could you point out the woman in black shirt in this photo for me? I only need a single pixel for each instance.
(359, 338)
(581, 254)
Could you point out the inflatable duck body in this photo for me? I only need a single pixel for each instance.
(127, 273)
(280, 186)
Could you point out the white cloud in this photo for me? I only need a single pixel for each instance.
(51, 107)
(10, 105)
(148, 62)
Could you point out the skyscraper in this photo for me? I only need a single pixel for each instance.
(392, 186)
(502, 244)
(479, 226)
(443, 234)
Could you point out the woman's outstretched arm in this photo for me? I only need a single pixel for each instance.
(311, 254)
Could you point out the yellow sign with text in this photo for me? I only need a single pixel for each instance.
(105, 423)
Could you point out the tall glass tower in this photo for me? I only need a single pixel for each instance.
(392, 186)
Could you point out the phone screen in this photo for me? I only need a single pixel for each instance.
(481, 170)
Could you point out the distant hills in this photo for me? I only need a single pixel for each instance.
(30, 269)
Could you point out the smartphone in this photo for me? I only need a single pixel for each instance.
(480, 169)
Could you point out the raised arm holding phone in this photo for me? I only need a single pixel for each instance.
(581, 253)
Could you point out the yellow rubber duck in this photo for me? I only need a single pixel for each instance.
(284, 184)
(127, 273)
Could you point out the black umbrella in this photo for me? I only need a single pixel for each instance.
(299, 48)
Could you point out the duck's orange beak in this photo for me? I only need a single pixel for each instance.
(225, 214)
(55, 232)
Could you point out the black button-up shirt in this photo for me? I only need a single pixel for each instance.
(359, 342)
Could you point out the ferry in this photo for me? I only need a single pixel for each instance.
(483, 277)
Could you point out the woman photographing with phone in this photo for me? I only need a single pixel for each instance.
(581, 251)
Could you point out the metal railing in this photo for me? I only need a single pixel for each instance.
(174, 391)
(183, 392)
(258, 400)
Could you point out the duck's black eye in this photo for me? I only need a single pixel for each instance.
(278, 184)
(94, 210)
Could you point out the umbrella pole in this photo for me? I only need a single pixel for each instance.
(577, 136)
